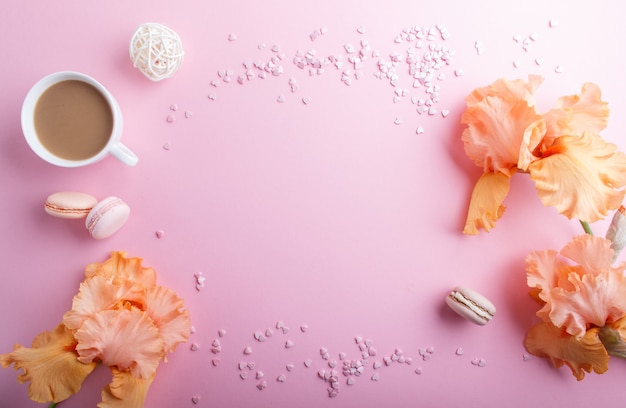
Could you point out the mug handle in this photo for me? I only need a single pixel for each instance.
(124, 154)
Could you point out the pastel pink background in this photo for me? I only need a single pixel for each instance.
(326, 214)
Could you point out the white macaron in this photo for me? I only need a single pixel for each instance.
(471, 305)
(107, 217)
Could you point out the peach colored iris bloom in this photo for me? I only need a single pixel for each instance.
(574, 170)
(120, 318)
(580, 293)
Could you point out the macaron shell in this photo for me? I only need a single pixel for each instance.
(478, 309)
(107, 217)
(69, 204)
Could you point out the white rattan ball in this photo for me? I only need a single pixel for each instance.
(156, 51)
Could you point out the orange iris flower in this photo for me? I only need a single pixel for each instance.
(573, 168)
(120, 318)
(582, 296)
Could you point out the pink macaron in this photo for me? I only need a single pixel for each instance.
(471, 305)
(69, 204)
(107, 217)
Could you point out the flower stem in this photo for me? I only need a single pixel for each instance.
(52, 404)
(586, 227)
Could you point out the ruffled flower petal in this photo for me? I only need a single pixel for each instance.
(51, 366)
(494, 133)
(508, 90)
(118, 265)
(99, 293)
(580, 355)
(577, 297)
(597, 300)
(486, 203)
(592, 254)
(126, 339)
(582, 177)
(168, 313)
(125, 390)
(544, 272)
(576, 114)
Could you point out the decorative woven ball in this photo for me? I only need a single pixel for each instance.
(156, 51)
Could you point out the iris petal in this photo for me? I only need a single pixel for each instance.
(486, 203)
(51, 366)
(583, 179)
(582, 355)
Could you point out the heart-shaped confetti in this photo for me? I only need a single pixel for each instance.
(195, 399)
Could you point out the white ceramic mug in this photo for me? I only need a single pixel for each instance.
(113, 146)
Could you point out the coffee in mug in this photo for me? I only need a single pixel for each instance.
(69, 119)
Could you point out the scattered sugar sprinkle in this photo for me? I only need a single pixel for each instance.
(170, 118)
(281, 378)
(262, 385)
(289, 344)
(200, 279)
(459, 351)
(167, 146)
(221, 332)
(159, 233)
(195, 399)
(194, 347)
(216, 362)
(232, 37)
(247, 351)
(526, 357)
(479, 362)
(174, 107)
